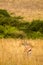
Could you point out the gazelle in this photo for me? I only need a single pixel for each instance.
(27, 47)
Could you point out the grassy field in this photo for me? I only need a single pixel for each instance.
(12, 52)
(29, 9)
(21, 41)
(23, 24)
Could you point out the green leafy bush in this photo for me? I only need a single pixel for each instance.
(36, 25)
(4, 13)
(16, 27)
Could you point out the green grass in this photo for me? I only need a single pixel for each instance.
(16, 27)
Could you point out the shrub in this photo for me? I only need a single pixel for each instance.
(2, 29)
(36, 25)
(4, 13)
(15, 27)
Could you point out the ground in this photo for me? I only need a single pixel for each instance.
(12, 52)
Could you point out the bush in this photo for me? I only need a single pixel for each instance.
(15, 27)
(2, 29)
(36, 25)
(4, 13)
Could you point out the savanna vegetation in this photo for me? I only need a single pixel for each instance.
(13, 51)
(16, 27)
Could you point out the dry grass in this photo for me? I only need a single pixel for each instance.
(12, 52)
(29, 9)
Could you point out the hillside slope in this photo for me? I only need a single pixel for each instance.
(30, 9)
